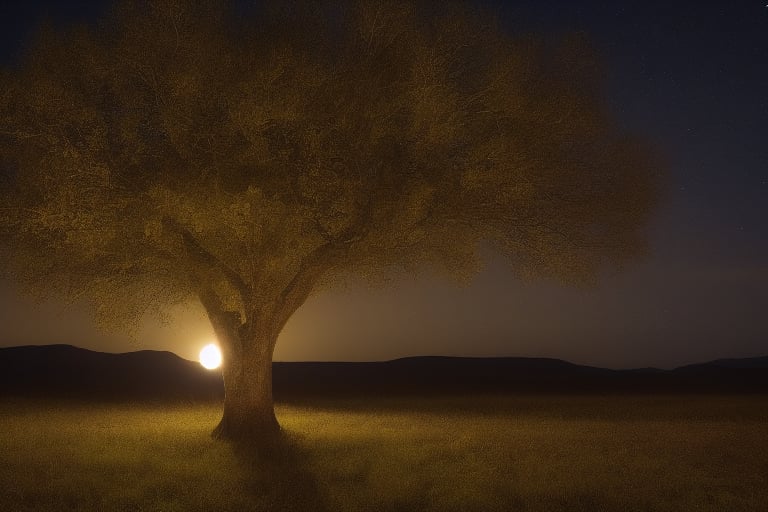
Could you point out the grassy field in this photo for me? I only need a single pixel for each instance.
(664, 453)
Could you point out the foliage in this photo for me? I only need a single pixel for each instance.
(176, 151)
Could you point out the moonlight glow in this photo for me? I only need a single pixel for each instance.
(210, 357)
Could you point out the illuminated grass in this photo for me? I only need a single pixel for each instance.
(510, 453)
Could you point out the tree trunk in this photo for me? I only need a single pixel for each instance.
(247, 347)
(249, 415)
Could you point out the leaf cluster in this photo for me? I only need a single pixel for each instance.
(183, 148)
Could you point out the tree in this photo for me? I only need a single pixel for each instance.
(248, 160)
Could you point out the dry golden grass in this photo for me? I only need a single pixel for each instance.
(705, 453)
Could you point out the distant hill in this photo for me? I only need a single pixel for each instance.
(64, 371)
(747, 362)
(431, 374)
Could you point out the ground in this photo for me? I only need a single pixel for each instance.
(527, 453)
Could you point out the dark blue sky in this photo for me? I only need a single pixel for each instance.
(690, 77)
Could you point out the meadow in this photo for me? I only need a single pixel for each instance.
(502, 453)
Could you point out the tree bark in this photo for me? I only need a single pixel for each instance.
(247, 348)
(249, 414)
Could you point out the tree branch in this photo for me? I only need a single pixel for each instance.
(20, 134)
(312, 267)
(300, 286)
(202, 255)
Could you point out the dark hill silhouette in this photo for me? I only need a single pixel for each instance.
(748, 362)
(63, 371)
(431, 374)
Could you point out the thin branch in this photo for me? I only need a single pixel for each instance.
(313, 266)
(202, 255)
(300, 286)
(21, 135)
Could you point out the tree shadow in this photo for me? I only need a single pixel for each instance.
(279, 472)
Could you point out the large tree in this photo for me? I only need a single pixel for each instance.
(188, 150)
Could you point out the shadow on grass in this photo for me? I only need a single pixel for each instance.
(279, 471)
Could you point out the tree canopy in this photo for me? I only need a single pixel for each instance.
(182, 151)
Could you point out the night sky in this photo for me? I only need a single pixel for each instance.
(690, 77)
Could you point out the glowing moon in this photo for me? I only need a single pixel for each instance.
(210, 357)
